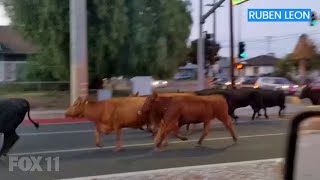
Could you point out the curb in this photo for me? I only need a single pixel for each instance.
(166, 171)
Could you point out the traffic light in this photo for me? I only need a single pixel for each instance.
(242, 50)
(239, 66)
(314, 19)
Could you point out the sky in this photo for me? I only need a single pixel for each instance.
(284, 36)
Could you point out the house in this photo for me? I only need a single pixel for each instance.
(224, 66)
(260, 65)
(14, 50)
(189, 71)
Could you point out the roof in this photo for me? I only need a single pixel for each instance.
(11, 42)
(263, 60)
(189, 66)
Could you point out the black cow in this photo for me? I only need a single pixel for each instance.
(312, 94)
(238, 98)
(12, 113)
(272, 98)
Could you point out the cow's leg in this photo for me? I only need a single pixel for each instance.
(177, 134)
(118, 146)
(189, 131)
(255, 110)
(9, 140)
(97, 137)
(228, 124)
(265, 113)
(281, 109)
(187, 127)
(259, 115)
(206, 128)
(162, 134)
(234, 117)
(159, 139)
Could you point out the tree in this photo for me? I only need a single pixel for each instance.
(286, 66)
(125, 37)
(211, 57)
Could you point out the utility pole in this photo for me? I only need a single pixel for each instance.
(240, 23)
(232, 60)
(79, 50)
(268, 43)
(200, 52)
(214, 30)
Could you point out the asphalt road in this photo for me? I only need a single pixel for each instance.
(78, 156)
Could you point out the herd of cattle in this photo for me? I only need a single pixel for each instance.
(161, 113)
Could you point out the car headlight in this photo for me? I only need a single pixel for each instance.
(155, 83)
(285, 87)
(227, 83)
(295, 86)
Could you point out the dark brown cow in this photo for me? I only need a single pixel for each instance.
(191, 109)
(310, 93)
(156, 110)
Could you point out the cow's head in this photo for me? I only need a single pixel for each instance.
(305, 92)
(148, 103)
(77, 108)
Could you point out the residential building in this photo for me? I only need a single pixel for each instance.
(14, 50)
(260, 65)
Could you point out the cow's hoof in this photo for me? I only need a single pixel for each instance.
(117, 149)
(165, 144)
(198, 145)
(184, 139)
(99, 145)
(235, 140)
(156, 150)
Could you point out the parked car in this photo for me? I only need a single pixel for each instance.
(223, 82)
(182, 76)
(276, 83)
(315, 85)
(247, 81)
(159, 83)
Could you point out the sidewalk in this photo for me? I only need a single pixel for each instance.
(51, 114)
(248, 170)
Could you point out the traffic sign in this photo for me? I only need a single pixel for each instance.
(237, 2)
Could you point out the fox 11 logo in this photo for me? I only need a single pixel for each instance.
(34, 163)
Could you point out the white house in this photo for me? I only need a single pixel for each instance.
(260, 65)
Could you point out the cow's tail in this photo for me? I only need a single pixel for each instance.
(34, 123)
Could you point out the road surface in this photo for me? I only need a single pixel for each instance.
(74, 145)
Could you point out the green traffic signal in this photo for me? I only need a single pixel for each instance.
(243, 55)
(314, 22)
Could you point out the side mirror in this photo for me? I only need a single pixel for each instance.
(303, 148)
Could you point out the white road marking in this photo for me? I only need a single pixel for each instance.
(128, 174)
(138, 145)
(62, 123)
(55, 132)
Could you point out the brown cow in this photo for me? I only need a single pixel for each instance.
(110, 115)
(193, 109)
(156, 110)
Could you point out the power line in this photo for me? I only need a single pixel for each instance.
(274, 38)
